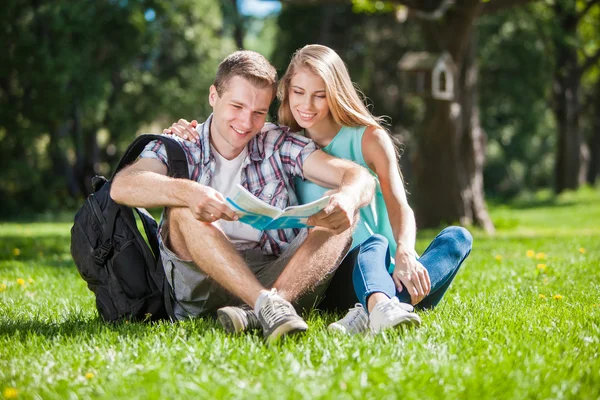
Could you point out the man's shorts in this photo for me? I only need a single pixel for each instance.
(197, 294)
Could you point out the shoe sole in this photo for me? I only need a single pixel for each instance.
(230, 320)
(336, 328)
(289, 328)
(408, 322)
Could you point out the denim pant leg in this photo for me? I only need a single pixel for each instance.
(442, 259)
(370, 272)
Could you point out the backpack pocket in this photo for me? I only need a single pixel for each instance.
(83, 255)
(128, 266)
(105, 306)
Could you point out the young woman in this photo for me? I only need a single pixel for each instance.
(318, 98)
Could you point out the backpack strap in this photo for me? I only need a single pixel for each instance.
(149, 227)
(176, 158)
(177, 168)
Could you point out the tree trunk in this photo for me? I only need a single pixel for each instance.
(238, 26)
(594, 145)
(566, 112)
(58, 156)
(566, 107)
(450, 154)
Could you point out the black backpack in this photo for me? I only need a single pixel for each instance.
(110, 253)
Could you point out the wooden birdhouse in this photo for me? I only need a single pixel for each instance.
(428, 74)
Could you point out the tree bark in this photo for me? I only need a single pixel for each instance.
(58, 157)
(594, 144)
(566, 107)
(450, 154)
(238, 28)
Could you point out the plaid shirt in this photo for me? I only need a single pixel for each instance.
(274, 158)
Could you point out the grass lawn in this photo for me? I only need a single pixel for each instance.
(522, 320)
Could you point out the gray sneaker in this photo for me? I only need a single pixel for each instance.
(238, 319)
(277, 316)
(355, 322)
(390, 314)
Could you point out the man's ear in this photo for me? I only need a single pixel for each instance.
(212, 95)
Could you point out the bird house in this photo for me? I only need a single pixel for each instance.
(428, 74)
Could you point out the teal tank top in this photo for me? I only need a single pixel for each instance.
(374, 217)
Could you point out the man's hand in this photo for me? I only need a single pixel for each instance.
(184, 129)
(339, 213)
(208, 205)
(412, 274)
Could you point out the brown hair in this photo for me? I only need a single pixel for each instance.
(249, 65)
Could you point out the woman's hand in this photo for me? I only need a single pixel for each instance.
(185, 130)
(411, 274)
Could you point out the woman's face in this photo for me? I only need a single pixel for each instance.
(307, 99)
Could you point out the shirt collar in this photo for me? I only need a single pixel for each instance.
(204, 131)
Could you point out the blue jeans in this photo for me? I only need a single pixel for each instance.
(366, 269)
(442, 259)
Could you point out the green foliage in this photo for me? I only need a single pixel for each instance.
(493, 336)
(515, 86)
(74, 71)
(373, 6)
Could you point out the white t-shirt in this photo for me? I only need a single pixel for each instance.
(228, 173)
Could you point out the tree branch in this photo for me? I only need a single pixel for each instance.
(431, 9)
(590, 61)
(421, 6)
(435, 14)
(585, 10)
(493, 6)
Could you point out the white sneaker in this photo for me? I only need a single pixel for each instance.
(355, 322)
(391, 313)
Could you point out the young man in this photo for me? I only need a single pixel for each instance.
(211, 260)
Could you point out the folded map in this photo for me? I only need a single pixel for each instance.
(262, 216)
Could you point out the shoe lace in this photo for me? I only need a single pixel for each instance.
(276, 309)
(390, 308)
(354, 317)
(393, 307)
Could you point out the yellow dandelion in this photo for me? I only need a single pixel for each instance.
(2, 287)
(16, 251)
(30, 280)
(542, 267)
(498, 257)
(540, 256)
(10, 393)
(541, 296)
(21, 281)
(582, 250)
(89, 375)
(557, 297)
(530, 253)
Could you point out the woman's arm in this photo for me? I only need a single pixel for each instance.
(380, 155)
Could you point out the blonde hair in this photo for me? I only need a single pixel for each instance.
(344, 99)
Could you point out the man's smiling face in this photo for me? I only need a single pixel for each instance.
(239, 114)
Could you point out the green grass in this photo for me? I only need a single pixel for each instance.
(492, 337)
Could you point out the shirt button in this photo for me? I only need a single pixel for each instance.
(270, 195)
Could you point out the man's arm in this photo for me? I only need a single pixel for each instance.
(146, 184)
(355, 188)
